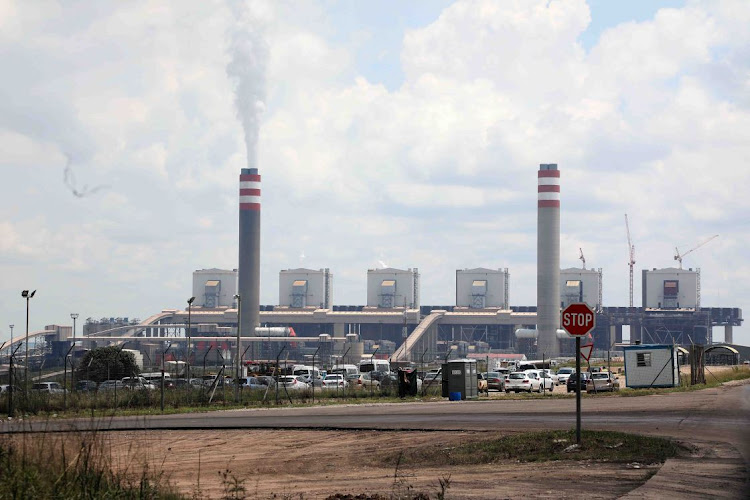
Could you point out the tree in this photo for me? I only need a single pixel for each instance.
(107, 363)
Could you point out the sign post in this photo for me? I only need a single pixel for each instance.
(578, 320)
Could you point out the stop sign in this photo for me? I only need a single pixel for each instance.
(578, 319)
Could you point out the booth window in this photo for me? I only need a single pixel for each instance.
(643, 358)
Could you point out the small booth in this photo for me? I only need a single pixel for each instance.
(460, 379)
(651, 365)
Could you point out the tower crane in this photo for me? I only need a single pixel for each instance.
(582, 258)
(678, 256)
(631, 259)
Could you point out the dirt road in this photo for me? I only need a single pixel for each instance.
(287, 461)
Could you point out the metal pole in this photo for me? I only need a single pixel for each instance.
(65, 378)
(163, 354)
(372, 362)
(239, 331)
(75, 317)
(26, 358)
(312, 377)
(187, 357)
(578, 390)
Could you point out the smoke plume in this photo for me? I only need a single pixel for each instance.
(248, 53)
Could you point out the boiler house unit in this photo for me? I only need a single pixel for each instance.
(581, 285)
(389, 288)
(482, 288)
(300, 288)
(213, 288)
(671, 288)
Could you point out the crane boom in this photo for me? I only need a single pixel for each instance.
(678, 257)
(582, 258)
(631, 258)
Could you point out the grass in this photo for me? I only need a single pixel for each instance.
(73, 466)
(546, 446)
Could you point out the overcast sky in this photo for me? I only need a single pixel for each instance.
(407, 135)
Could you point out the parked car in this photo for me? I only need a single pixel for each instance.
(86, 386)
(553, 376)
(571, 384)
(48, 387)
(138, 383)
(366, 380)
(292, 383)
(482, 384)
(433, 377)
(548, 380)
(334, 380)
(111, 385)
(602, 382)
(251, 383)
(564, 373)
(523, 381)
(5, 388)
(495, 380)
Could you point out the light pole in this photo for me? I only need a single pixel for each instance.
(11, 333)
(237, 368)
(187, 334)
(26, 295)
(75, 317)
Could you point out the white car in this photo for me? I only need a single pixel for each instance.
(563, 374)
(523, 381)
(334, 380)
(553, 376)
(292, 383)
(548, 381)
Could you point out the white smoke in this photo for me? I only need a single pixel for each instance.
(248, 53)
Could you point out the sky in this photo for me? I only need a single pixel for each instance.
(404, 133)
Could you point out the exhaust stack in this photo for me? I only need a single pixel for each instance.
(548, 260)
(249, 251)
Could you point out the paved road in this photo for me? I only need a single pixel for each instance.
(717, 418)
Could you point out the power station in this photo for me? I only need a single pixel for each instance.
(393, 323)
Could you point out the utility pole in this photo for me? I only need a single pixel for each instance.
(25, 294)
(239, 330)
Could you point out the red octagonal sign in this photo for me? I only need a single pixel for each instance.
(578, 319)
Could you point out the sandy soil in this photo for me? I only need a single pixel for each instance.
(316, 464)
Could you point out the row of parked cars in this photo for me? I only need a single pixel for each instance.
(540, 380)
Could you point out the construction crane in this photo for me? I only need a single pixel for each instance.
(678, 257)
(631, 259)
(582, 258)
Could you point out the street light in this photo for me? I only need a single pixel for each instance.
(187, 357)
(26, 295)
(75, 317)
(237, 369)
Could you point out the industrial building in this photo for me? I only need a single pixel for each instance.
(389, 288)
(481, 288)
(300, 288)
(214, 287)
(671, 288)
(581, 285)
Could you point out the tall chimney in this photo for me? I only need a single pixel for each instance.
(548, 260)
(249, 255)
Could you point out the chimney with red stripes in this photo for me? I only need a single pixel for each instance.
(249, 258)
(548, 260)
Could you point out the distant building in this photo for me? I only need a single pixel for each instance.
(481, 288)
(299, 288)
(389, 288)
(214, 288)
(581, 285)
(671, 288)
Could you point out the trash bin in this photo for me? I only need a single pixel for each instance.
(454, 396)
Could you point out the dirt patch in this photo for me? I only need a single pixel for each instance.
(317, 464)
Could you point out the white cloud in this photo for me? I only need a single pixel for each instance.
(438, 173)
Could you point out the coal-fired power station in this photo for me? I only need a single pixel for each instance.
(249, 252)
(548, 260)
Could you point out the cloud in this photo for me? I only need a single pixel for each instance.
(437, 172)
